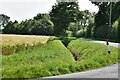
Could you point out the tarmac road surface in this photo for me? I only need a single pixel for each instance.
(105, 72)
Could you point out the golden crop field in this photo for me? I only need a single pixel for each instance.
(10, 39)
(15, 43)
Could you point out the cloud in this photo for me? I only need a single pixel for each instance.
(86, 4)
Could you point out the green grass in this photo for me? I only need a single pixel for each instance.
(91, 55)
(52, 58)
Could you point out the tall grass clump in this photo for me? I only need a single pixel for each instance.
(14, 43)
(12, 49)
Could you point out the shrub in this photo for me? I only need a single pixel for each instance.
(69, 33)
(79, 33)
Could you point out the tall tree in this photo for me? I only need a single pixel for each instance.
(42, 25)
(42, 16)
(11, 28)
(62, 14)
(4, 19)
(91, 24)
(103, 16)
(8, 29)
(119, 30)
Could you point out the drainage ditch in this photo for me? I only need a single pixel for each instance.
(65, 42)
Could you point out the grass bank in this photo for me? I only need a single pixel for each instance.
(52, 58)
(89, 55)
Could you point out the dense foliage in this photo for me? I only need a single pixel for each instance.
(103, 27)
(62, 14)
(40, 25)
(66, 19)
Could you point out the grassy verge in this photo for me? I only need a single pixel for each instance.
(91, 55)
(52, 58)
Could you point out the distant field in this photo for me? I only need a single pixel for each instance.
(15, 43)
(9, 39)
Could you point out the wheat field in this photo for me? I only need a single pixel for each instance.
(10, 39)
(14, 43)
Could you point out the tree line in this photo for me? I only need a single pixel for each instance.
(39, 25)
(66, 19)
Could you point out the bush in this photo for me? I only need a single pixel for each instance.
(81, 33)
(69, 33)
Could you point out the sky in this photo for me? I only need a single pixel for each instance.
(26, 9)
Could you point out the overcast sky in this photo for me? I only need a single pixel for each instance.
(25, 9)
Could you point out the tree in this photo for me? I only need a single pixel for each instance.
(42, 27)
(62, 14)
(16, 27)
(73, 27)
(91, 24)
(87, 22)
(115, 11)
(104, 11)
(12, 28)
(44, 16)
(4, 19)
(28, 25)
(102, 17)
(119, 30)
(8, 28)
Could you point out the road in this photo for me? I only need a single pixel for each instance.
(110, 43)
(106, 72)
(110, 71)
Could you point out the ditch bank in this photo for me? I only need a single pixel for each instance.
(53, 58)
(65, 41)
